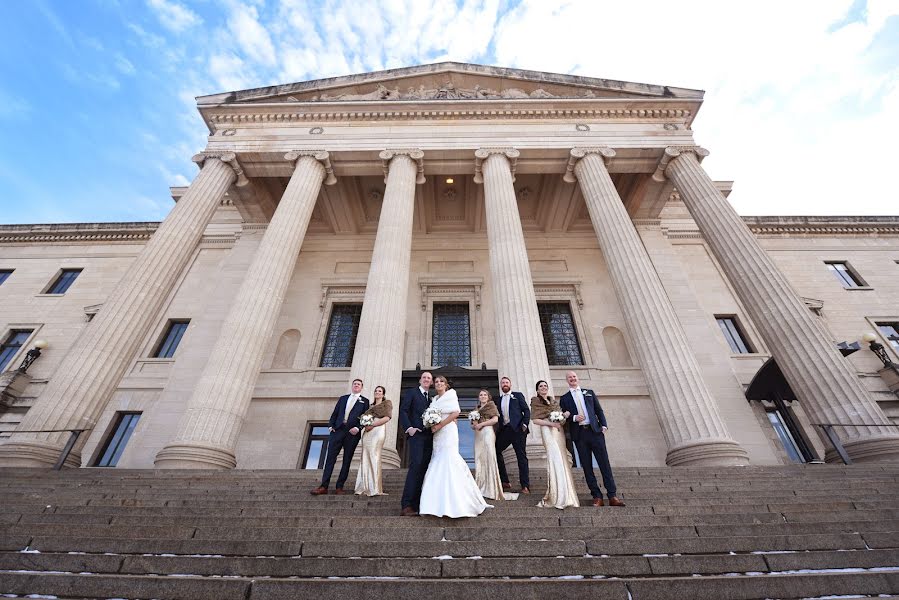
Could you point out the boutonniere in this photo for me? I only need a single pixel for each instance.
(359, 401)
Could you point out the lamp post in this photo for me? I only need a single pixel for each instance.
(32, 355)
(877, 348)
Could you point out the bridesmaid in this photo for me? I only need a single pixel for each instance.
(486, 469)
(560, 490)
(368, 481)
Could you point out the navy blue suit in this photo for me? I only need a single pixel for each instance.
(514, 433)
(412, 406)
(590, 441)
(340, 438)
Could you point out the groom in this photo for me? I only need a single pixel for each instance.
(419, 440)
(344, 435)
(514, 416)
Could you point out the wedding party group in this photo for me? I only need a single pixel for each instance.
(439, 481)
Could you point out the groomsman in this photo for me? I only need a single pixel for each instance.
(514, 416)
(344, 435)
(587, 427)
(419, 440)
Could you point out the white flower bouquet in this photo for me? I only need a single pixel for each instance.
(557, 416)
(366, 420)
(474, 416)
(431, 417)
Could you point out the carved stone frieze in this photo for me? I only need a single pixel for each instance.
(447, 91)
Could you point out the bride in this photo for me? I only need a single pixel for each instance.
(449, 490)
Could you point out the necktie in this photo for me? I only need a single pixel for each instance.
(506, 409)
(581, 405)
(349, 407)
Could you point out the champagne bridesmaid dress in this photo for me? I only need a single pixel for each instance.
(560, 490)
(368, 481)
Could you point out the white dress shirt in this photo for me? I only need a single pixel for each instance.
(505, 406)
(578, 397)
(350, 402)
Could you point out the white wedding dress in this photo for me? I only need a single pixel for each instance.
(449, 490)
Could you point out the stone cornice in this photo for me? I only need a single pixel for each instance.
(78, 232)
(824, 226)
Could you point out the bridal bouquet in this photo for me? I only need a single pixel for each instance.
(431, 417)
(474, 416)
(557, 416)
(366, 420)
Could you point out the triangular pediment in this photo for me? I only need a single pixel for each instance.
(454, 82)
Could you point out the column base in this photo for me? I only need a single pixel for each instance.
(390, 458)
(36, 454)
(187, 455)
(707, 453)
(868, 450)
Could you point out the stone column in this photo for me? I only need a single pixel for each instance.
(378, 356)
(687, 412)
(215, 412)
(86, 378)
(822, 379)
(520, 351)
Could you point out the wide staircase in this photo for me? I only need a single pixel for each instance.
(816, 531)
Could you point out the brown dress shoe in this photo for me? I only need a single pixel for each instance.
(339, 492)
(319, 491)
(598, 502)
(408, 511)
(507, 486)
(525, 490)
(614, 501)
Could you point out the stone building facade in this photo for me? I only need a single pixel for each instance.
(452, 214)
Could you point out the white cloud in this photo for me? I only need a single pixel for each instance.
(174, 16)
(252, 37)
(13, 107)
(124, 65)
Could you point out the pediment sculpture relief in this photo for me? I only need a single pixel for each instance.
(447, 91)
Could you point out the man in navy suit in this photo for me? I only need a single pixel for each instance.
(514, 416)
(419, 440)
(587, 426)
(344, 435)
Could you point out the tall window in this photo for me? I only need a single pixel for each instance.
(734, 336)
(451, 337)
(171, 339)
(786, 437)
(316, 447)
(12, 344)
(559, 334)
(65, 280)
(118, 439)
(341, 340)
(4, 275)
(891, 332)
(844, 273)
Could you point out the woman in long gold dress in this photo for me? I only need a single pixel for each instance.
(485, 466)
(560, 490)
(368, 481)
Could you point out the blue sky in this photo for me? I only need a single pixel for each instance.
(97, 114)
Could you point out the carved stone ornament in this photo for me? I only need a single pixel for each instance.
(375, 195)
(672, 152)
(316, 130)
(449, 194)
(481, 154)
(321, 156)
(447, 91)
(577, 154)
(414, 153)
(226, 157)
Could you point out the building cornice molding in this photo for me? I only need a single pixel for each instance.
(78, 232)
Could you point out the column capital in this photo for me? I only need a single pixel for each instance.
(481, 154)
(577, 154)
(672, 152)
(229, 158)
(320, 155)
(414, 153)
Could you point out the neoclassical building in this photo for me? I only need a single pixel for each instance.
(481, 220)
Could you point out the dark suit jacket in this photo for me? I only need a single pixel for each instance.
(412, 406)
(594, 412)
(519, 411)
(337, 421)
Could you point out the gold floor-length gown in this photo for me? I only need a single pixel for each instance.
(485, 467)
(560, 490)
(368, 481)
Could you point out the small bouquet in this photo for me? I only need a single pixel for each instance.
(474, 416)
(366, 420)
(431, 417)
(557, 416)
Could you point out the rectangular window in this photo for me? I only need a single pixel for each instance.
(118, 439)
(4, 274)
(559, 334)
(316, 447)
(891, 332)
(12, 344)
(847, 276)
(65, 280)
(451, 336)
(171, 339)
(341, 340)
(786, 438)
(734, 336)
